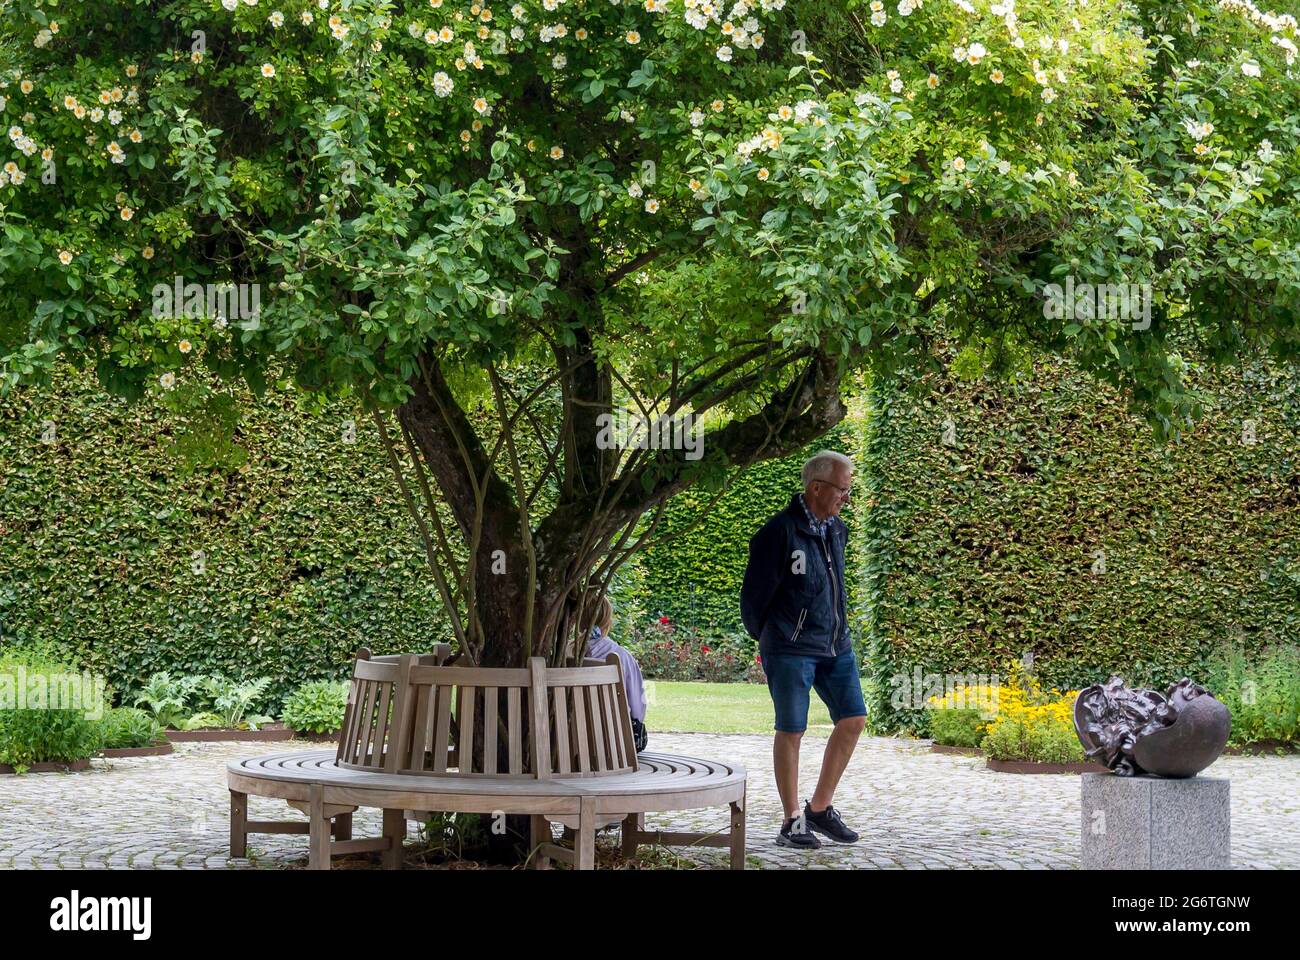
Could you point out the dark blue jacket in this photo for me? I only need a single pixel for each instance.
(792, 599)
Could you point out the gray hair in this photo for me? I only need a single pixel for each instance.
(821, 465)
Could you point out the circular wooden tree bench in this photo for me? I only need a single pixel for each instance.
(562, 752)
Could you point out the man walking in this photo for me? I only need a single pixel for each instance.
(792, 603)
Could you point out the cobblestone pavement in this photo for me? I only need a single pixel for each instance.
(914, 809)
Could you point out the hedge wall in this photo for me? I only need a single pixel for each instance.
(695, 577)
(1050, 523)
(972, 554)
(306, 552)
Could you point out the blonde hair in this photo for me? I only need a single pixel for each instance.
(596, 612)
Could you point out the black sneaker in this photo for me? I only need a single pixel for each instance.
(795, 833)
(828, 822)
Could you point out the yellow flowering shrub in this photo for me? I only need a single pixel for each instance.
(1015, 720)
(961, 717)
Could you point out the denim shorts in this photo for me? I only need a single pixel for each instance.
(790, 676)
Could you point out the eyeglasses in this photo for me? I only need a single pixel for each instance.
(843, 491)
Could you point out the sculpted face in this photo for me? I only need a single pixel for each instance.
(826, 498)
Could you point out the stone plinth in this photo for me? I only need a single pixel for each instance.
(1150, 823)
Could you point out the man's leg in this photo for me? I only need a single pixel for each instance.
(839, 750)
(789, 679)
(785, 761)
(840, 688)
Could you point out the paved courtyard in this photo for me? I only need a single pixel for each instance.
(914, 809)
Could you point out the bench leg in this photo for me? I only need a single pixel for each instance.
(238, 824)
(737, 834)
(585, 843)
(633, 823)
(540, 832)
(395, 832)
(318, 831)
(343, 826)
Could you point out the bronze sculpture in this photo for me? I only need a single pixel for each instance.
(1176, 734)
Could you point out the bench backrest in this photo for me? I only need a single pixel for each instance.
(368, 714)
(412, 714)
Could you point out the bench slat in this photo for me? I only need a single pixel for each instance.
(563, 750)
(514, 733)
(465, 720)
(489, 729)
(375, 756)
(540, 735)
(420, 727)
(617, 747)
(442, 734)
(599, 761)
(367, 717)
(580, 722)
(399, 738)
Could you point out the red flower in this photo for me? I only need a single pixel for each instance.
(758, 658)
(704, 649)
(663, 619)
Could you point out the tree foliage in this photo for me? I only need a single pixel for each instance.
(671, 206)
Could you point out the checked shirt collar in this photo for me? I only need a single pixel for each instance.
(819, 527)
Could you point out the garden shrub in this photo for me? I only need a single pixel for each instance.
(668, 651)
(957, 728)
(316, 707)
(219, 701)
(1041, 734)
(168, 697)
(125, 727)
(1262, 695)
(961, 717)
(30, 731)
(232, 703)
(1033, 723)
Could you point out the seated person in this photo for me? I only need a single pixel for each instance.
(597, 621)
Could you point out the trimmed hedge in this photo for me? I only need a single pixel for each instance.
(113, 551)
(1051, 524)
(695, 577)
(972, 554)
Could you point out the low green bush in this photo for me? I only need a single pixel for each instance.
(126, 727)
(233, 702)
(1262, 693)
(316, 707)
(190, 702)
(957, 728)
(203, 720)
(168, 697)
(1032, 739)
(31, 729)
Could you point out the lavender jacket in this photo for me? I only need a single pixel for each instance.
(599, 647)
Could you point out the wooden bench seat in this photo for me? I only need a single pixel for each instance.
(420, 735)
(313, 781)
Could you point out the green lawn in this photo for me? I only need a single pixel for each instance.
(674, 707)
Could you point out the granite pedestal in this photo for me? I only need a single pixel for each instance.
(1151, 823)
